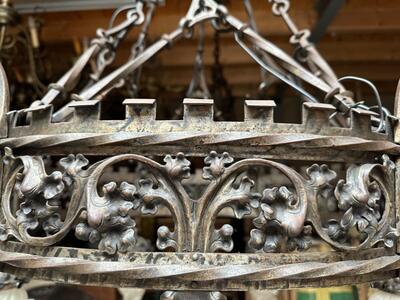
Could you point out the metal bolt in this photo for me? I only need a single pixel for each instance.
(196, 256)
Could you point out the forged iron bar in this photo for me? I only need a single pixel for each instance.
(70, 79)
(107, 55)
(265, 57)
(292, 66)
(198, 272)
(139, 47)
(4, 103)
(186, 138)
(301, 39)
(131, 65)
(198, 86)
(274, 72)
(208, 271)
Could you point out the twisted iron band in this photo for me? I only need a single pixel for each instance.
(198, 271)
(354, 215)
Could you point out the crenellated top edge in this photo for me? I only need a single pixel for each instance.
(315, 115)
(34, 128)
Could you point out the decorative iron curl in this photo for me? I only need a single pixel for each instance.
(107, 219)
(367, 199)
(40, 195)
(282, 215)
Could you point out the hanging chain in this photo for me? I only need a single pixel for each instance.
(134, 79)
(266, 79)
(307, 53)
(202, 10)
(220, 88)
(110, 39)
(198, 86)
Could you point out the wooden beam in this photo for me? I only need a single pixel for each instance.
(367, 16)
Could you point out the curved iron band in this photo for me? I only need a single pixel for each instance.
(4, 102)
(200, 272)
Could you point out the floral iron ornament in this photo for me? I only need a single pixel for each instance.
(362, 198)
(37, 220)
(40, 209)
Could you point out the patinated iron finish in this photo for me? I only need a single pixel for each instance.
(141, 133)
(365, 197)
(279, 216)
(199, 271)
(42, 205)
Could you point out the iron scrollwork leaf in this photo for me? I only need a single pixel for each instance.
(364, 198)
(275, 229)
(216, 165)
(108, 220)
(178, 167)
(280, 214)
(40, 198)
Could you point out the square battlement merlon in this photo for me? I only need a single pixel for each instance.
(259, 110)
(140, 109)
(86, 110)
(195, 109)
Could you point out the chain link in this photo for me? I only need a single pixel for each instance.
(280, 7)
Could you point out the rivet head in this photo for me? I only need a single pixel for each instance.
(196, 256)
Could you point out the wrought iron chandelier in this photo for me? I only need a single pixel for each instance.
(331, 179)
